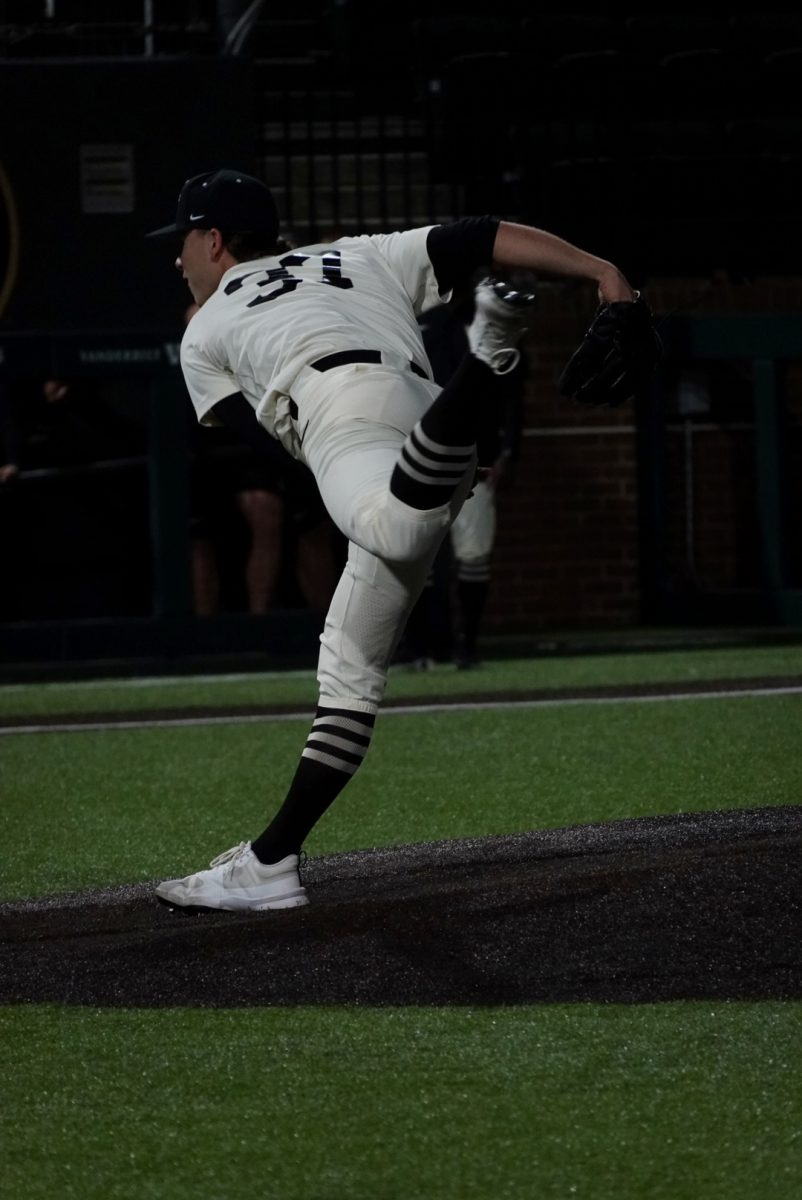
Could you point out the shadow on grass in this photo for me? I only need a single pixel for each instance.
(699, 906)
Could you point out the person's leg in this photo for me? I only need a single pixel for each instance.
(353, 461)
(417, 640)
(443, 442)
(374, 597)
(473, 584)
(264, 514)
(429, 635)
(389, 451)
(433, 474)
(356, 464)
(205, 577)
(394, 461)
(204, 503)
(363, 625)
(472, 538)
(316, 567)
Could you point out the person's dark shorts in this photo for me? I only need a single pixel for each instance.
(218, 476)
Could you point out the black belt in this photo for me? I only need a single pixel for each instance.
(343, 357)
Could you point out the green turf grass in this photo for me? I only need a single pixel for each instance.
(299, 687)
(668, 1102)
(87, 809)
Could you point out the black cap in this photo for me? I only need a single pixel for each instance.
(227, 200)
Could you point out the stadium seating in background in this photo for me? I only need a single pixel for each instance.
(652, 35)
(533, 114)
(579, 201)
(694, 138)
(484, 105)
(761, 33)
(667, 214)
(439, 39)
(728, 212)
(780, 83)
(550, 35)
(596, 92)
(763, 135)
(708, 84)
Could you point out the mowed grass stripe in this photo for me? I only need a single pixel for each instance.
(670, 1102)
(127, 805)
(488, 705)
(591, 670)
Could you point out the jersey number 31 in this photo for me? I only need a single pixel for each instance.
(332, 275)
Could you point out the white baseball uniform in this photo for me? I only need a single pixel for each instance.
(259, 334)
(473, 533)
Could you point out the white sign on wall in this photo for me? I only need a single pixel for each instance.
(107, 179)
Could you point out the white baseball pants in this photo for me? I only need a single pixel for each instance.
(353, 421)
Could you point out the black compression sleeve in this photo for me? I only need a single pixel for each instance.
(236, 413)
(458, 249)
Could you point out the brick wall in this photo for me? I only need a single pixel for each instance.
(567, 545)
(793, 498)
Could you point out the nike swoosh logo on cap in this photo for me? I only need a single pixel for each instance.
(196, 216)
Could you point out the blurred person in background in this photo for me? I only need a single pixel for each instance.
(269, 500)
(58, 423)
(447, 620)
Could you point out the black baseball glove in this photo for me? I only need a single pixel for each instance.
(617, 356)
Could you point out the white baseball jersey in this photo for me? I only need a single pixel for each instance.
(271, 317)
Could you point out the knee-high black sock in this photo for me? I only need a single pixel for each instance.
(418, 632)
(437, 452)
(473, 582)
(472, 598)
(337, 743)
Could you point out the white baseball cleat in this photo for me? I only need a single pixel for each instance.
(499, 324)
(237, 880)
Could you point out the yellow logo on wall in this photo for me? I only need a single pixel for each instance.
(9, 240)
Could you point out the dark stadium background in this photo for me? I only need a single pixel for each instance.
(667, 141)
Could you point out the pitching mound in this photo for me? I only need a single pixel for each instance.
(703, 906)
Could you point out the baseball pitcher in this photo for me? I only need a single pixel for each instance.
(320, 349)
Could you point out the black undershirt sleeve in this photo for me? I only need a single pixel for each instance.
(237, 414)
(460, 248)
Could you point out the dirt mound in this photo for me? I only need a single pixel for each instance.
(700, 906)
